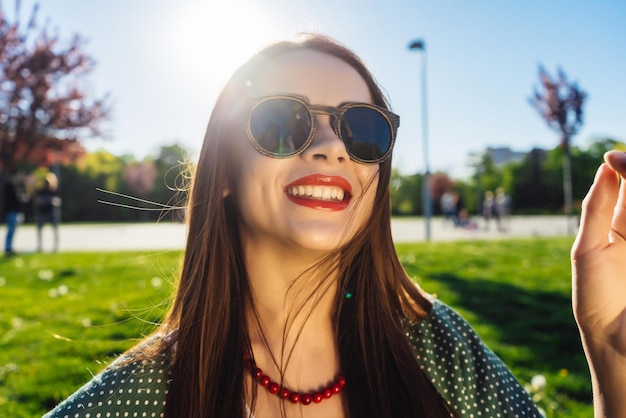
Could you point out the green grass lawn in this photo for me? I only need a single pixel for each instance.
(64, 316)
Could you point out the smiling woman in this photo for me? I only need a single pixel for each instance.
(292, 301)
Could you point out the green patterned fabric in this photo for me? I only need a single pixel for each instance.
(470, 377)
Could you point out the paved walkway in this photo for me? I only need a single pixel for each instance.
(160, 236)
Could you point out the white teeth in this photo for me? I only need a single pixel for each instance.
(318, 192)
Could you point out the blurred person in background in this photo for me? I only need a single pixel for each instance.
(48, 209)
(12, 208)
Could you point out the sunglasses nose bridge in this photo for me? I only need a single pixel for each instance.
(327, 117)
(326, 141)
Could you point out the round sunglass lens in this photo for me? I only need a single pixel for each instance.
(366, 133)
(280, 126)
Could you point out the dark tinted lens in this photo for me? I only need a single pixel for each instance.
(366, 133)
(280, 126)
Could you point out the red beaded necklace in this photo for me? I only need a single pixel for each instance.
(295, 397)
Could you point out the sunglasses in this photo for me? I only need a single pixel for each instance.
(283, 126)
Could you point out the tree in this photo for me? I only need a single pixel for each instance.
(406, 198)
(560, 105)
(439, 183)
(44, 106)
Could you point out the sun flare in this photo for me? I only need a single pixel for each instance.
(211, 39)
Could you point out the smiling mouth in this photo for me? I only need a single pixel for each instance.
(327, 193)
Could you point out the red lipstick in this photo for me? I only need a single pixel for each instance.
(320, 191)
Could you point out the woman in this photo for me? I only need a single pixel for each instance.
(292, 301)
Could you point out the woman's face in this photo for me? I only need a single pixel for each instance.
(319, 198)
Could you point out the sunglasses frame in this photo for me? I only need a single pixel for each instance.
(392, 119)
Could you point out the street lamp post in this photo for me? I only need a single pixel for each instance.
(421, 45)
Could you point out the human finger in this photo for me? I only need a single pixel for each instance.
(617, 161)
(597, 211)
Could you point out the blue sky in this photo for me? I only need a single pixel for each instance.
(163, 63)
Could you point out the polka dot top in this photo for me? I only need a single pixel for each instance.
(470, 377)
(122, 390)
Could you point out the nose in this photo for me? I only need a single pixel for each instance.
(326, 145)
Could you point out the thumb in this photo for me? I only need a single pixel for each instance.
(597, 212)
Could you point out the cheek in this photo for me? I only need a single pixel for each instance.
(256, 180)
(368, 177)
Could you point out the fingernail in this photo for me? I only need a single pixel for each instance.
(621, 157)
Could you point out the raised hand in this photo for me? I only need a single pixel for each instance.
(599, 284)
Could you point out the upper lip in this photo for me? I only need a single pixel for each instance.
(323, 180)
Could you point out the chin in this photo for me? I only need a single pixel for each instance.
(325, 241)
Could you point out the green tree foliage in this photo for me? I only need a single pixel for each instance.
(490, 176)
(80, 184)
(173, 175)
(95, 187)
(530, 187)
(406, 194)
(534, 184)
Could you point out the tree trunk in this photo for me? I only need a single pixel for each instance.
(567, 187)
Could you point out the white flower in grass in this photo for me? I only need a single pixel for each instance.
(3, 281)
(538, 382)
(85, 322)
(17, 322)
(53, 293)
(63, 290)
(156, 282)
(46, 275)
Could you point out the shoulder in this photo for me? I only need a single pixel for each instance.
(472, 379)
(126, 386)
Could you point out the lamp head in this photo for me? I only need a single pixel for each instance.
(417, 44)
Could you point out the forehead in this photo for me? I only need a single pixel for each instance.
(322, 78)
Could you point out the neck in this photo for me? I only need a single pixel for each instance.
(291, 297)
(290, 325)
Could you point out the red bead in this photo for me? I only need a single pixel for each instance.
(273, 388)
(284, 393)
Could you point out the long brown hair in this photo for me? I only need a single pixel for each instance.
(207, 326)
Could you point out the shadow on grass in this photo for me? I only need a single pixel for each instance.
(539, 322)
